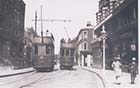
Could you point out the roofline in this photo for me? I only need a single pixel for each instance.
(82, 29)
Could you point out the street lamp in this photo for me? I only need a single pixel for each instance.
(103, 37)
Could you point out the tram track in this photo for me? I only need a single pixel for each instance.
(56, 76)
(38, 78)
(23, 78)
(18, 79)
(32, 82)
(102, 81)
(42, 79)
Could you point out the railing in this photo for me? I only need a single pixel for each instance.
(106, 10)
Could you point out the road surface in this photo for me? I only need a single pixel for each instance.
(75, 78)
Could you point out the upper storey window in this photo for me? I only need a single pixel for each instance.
(85, 45)
(85, 34)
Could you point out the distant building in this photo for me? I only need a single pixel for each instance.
(29, 34)
(12, 13)
(83, 47)
(28, 37)
(120, 18)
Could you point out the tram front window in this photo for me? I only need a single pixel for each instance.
(67, 52)
(62, 52)
(48, 50)
(72, 52)
(41, 50)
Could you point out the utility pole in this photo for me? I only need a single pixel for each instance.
(104, 37)
(36, 21)
(41, 25)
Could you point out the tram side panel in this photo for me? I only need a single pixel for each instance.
(66, 61)
(66, 58)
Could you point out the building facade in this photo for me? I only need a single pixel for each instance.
(83, 46)
(29, 34)
(12, 13)
(120, 18)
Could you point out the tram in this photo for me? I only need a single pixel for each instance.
(66, 54)
(43, 52)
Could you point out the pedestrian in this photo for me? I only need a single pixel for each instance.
(133, 67)
(117, 69)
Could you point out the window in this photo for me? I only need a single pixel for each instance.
(85, 34)
(48, 50)
(72, 52)
(67, 52)
(36, 50)
(62, 52)
(85, 46)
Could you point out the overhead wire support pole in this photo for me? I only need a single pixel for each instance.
(35, 21)
(41, 25)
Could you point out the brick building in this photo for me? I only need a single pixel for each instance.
(12, 14)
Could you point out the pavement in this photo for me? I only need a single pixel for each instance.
(9, 71)
(108, 78)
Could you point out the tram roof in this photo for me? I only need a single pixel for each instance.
(46, 40)
(67, 45)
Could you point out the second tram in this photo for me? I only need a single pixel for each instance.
(66, 54)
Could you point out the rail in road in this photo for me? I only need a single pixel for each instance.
(40, 78)
(47, 79)
(43, 78)
(102, 81)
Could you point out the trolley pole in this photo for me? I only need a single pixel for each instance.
(41, 25)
